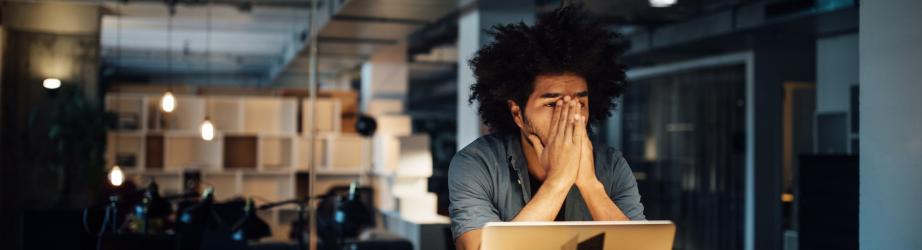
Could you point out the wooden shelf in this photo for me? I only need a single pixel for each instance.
(240, 152)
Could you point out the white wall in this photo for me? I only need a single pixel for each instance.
(836, 72)
(890, 207)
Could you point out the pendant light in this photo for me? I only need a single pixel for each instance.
(207, 127)
(168, 101)
(116, 176)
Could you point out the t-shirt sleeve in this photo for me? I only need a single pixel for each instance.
(469, 194)
(624, 190)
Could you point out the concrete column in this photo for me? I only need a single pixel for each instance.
(385, 75)
(471, 37)
(890, 175)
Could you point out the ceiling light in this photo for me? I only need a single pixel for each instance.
(662, 3)
(51, 83)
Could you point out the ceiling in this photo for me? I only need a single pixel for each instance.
(141, 40)
(261, 42)
(252, 45)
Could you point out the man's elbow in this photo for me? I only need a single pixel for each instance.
(469, 240)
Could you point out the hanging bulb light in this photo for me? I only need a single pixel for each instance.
(168, 102)
(51, 83)
(116, 176)
(207, 130)
(661, 3)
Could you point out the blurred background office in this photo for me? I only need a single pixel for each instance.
(277, 124)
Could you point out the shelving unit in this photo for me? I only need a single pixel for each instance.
(259, 149)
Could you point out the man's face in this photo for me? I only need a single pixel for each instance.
(541, 103)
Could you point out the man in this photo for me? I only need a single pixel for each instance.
(539, 88)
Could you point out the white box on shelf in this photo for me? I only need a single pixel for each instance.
(384, 197)
(423, 233)
(268, 186)
(379, 107)
(226, 113)
(170, 183)
(187, 116)
(415, 158)
(125, 149)
(189, 151)
(385, 154)
(273, 115)
(408, 186)
(276, 152)
(417, 206)
(307, 159)
(327, 116)
(129, 109)
(325, 182)
(348, 152)
(226, 184)
(394, 125)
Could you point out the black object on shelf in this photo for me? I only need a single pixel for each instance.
(828, 202)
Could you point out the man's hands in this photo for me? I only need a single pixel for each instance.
(586, 176)
(567, 149)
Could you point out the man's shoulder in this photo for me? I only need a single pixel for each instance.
(485, 146)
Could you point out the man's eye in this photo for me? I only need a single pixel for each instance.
(553, 104)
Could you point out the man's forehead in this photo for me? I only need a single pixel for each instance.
(558, 89)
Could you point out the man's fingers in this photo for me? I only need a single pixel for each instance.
(555, 119)
(580, 134)
(571, 124)
(536, 143)
(562, 118)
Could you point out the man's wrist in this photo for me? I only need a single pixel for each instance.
(557, 186)
(589, 185)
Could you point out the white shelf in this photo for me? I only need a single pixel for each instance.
(327, 116)
(257, 150)
(268, 187)
(129, 110)
(269, 114)
(276, 152)
(226, 113)
(187, 116)
(191, 152)
(226, 184)
(126, 149)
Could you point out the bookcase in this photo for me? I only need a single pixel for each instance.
(260, 149)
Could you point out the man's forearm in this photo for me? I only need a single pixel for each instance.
(546, 203)
(600, 205)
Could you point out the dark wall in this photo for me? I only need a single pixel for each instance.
(29, 180)
(779, 57)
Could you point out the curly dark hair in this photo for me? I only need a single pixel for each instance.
(565, 40)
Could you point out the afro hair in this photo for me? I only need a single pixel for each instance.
(565, 40)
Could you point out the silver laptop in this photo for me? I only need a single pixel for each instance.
(579, 235)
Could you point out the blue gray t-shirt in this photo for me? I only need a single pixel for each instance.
(488, 181)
